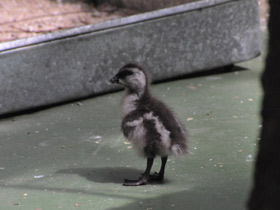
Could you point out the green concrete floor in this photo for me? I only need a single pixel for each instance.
(75, 157)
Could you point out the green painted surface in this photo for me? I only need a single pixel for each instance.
(75, 157)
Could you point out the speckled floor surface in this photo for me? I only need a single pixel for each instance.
(74, 156)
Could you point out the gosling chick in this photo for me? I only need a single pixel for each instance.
(151, 126)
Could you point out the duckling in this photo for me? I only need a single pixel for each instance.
(151, 126)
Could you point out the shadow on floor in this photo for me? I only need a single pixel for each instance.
(192, 198)
(98, 175)
(179, 201)
(184, 200)
(106, 174)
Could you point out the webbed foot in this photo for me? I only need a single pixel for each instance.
(156, 177)
(141, 181)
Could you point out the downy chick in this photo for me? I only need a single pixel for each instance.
(151, 126)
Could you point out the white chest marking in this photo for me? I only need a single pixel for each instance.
(129, 103)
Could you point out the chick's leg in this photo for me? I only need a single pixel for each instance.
(144, 178)
(158, 177)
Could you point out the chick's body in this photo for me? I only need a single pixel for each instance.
(148, 122)
(152, 127)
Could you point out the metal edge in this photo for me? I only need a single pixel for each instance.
(6, 46)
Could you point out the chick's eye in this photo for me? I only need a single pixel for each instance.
(125, 73)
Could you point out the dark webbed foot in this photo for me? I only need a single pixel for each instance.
(146, 177)
(156, 177)
(141, 181)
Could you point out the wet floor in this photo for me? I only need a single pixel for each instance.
(74, 156)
